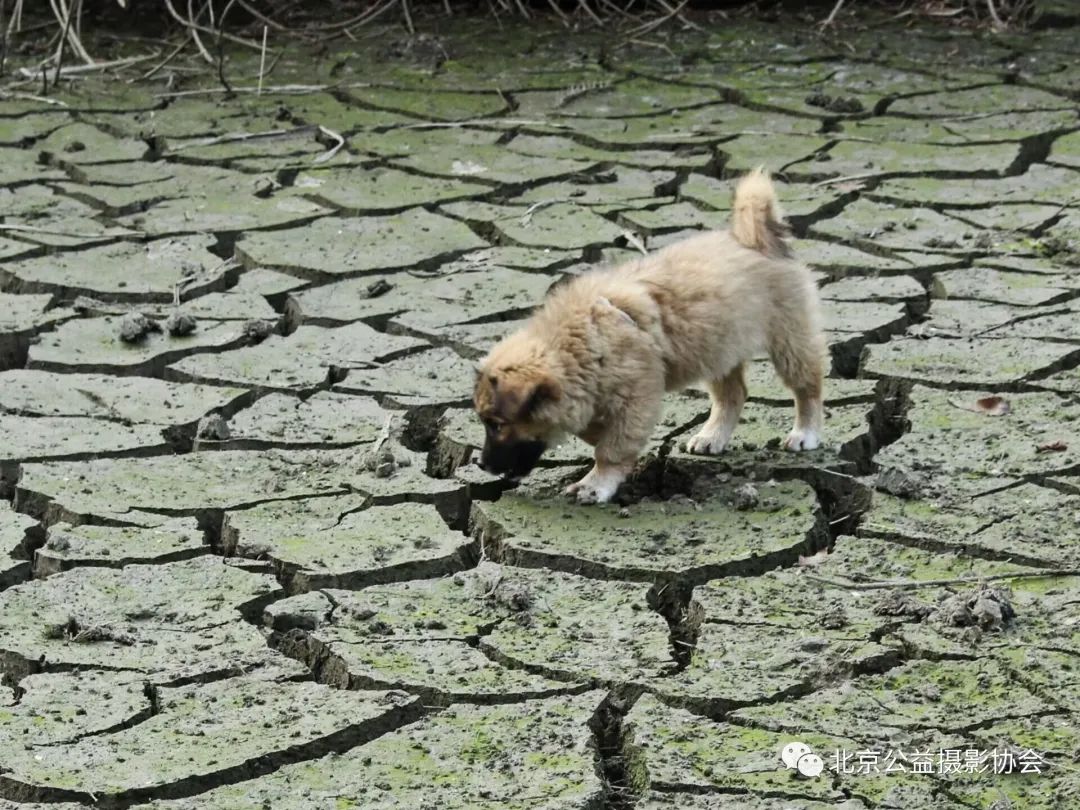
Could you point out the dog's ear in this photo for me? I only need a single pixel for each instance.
(546, 390)
(521, 400)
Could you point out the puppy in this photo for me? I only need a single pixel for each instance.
(597, 356)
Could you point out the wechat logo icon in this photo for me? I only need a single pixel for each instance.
(798, 756)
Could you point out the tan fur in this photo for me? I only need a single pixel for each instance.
(598, 355)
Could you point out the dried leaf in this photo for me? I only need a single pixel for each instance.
(990, 406)
(1052, 447)
(814, 559)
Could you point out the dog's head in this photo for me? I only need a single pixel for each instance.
(514, 401)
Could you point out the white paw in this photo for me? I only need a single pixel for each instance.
(707, 444)
(595, 487)
(802, 440)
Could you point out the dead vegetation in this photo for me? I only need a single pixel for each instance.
(208, 27)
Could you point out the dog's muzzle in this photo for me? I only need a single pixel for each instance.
(511, 459)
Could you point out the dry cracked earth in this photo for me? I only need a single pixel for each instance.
(245, 558)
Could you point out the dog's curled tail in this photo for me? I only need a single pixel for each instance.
(757, 222)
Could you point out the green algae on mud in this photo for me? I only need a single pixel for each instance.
(129, 619)
(439, 376)
(536, 754)
(207, 733)
(336, 542)
(417, 636)
(15, 534)
(68, 546)
(305, 360)
(325, 419)
(474, 288)
(203, 484)
(1002, 363)
(342, 247)
(670, 749)
(58, 707)
(699, 539)
(127, 271)
(94, 346)
(136, 400)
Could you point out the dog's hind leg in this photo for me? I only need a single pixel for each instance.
(728, 397)
(799, 357)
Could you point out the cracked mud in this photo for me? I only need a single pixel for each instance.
(246, 559)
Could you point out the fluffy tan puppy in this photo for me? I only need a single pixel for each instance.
(597, 356)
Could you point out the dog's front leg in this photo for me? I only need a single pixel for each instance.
(621, 441)
(601, 482)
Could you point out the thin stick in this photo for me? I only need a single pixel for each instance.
(31, 97)
(911, 584)
(71, 70)
(262, 61)
(584, 6)
(243, 136)
(4, 35)
(329, 155)
(192, 25)
(993, 13)
(62, 14)
(172, 55)
(60, 47)
(555, 7)
(832, 181)
(266, 21)
(191, 29)
(285, 89)
(221, 43)
(832, 14)
(650, 27)
(408, 16)
(682, 19)
(526, 218)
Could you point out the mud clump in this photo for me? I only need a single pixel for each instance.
(213, 427)
(78, 631)
(134, 327)
(986, 608)
(902, 604)
(837, 104)
(899, 483)
(377, 288)
(489, 583)
(256, 331)
(180, 324)
(381, 462)
(746, 497)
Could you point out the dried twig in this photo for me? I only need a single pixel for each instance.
(832, 14)
(994, 14)
(72, 70)
(284, 89)
(220, 44)
(31, 97)
(245, 136)
(262, 62)
(526, 218)
(912, 584)
(329, 154)
(172, 55)
(60, 48)
(193, 30)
